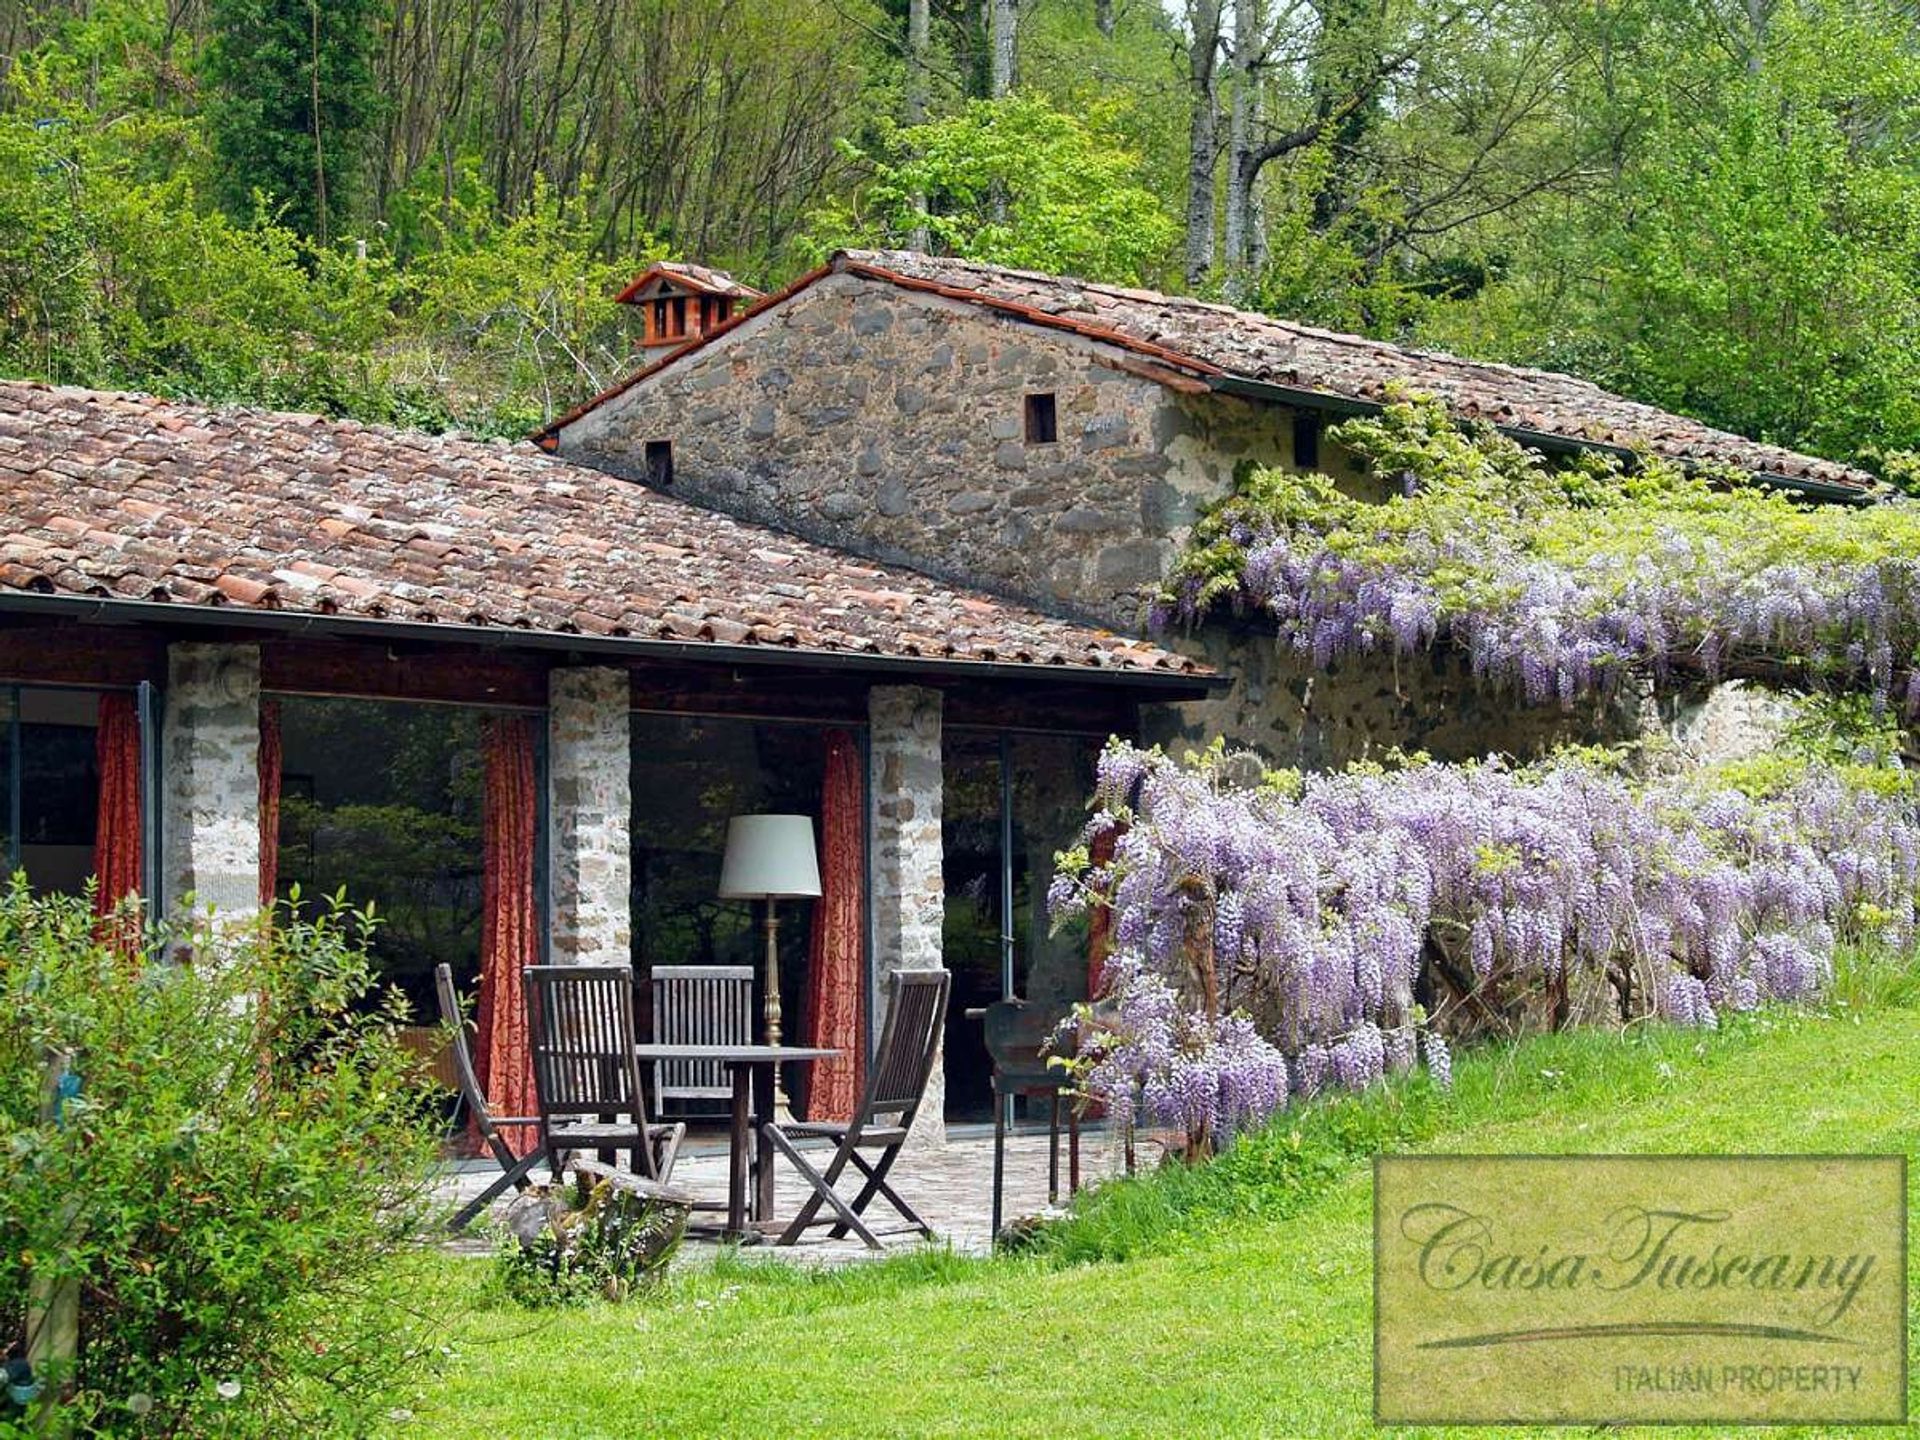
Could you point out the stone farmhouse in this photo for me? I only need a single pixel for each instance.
(870, 549)
(1053, 440)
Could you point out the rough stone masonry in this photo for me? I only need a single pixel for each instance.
(589, 824)
(210, 780)
(908, 902)
(892, 423)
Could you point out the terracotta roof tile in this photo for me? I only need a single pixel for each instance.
(1250, 346)
(1218, 340)
(141, 498)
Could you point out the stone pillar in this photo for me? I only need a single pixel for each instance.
(210, 780)
(908, 896)
(589, 819)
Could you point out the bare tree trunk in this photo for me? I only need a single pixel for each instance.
(1005, 40)
(319, 147)
(1247, 38)
(1759, 13)
(916, 100)
(1203, 145)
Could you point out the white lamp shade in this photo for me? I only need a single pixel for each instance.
(768, 857)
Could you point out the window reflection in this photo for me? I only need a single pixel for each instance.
(49, 784)
(383, 799)
(691, 774)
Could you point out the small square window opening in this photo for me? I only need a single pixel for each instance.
(659, 456)
(1043, 419)
(1306, 442)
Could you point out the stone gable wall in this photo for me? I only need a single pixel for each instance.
(892, 423)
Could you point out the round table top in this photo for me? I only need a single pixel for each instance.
(742, 1054)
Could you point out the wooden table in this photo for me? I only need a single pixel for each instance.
(752, 1068)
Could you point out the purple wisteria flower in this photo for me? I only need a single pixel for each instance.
(1321, 902)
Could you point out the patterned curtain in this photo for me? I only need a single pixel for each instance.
(835, 969)
(116, 831)
(269, 801)
(1100, 921)
(509, 923)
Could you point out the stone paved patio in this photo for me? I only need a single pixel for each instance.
(952, 1186)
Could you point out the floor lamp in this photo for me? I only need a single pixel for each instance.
(770, 858)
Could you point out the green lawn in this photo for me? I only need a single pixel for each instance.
(1242, 1307)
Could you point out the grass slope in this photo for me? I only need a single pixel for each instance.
(1243, 1305)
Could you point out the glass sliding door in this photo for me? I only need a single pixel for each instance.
(975, 942)
(1012, 802)
(691, 775)
(383, 800)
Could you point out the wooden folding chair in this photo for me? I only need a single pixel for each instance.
(514, 1169)
(581, 1030)
(700, 1005)
(909, 1045)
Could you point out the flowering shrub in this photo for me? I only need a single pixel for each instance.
(1277, 937)
(239, 1159)
(1559, 583)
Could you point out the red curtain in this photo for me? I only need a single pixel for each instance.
(116, 831)
(834, 1012)
(269, 801)
(509, 924)
(1100, 921)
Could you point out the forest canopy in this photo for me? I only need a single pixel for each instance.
(419, 212)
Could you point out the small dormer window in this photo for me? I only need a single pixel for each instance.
(1043, 418)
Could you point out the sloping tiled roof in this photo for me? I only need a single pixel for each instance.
(700, 277)
(1249, 346)
(1219, 342)
(127, 497)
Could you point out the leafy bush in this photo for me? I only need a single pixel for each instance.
(244, 1153)
(585, 1241)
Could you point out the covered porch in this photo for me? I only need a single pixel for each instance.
(262, 660)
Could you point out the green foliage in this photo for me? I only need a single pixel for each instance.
(1751, 253)
(514, 316)
(248, 1152)
(114, 274)
(291, 92)
(1769, 280)
(1011, 182)
(585, 1241)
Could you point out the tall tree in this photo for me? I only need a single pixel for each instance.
(1005, 29)
(915, 108)
(292, 97)
(1203, 135)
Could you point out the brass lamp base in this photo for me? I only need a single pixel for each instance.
(770, 1011)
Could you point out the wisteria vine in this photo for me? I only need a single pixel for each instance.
(1561, 582)
(1279, 937)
